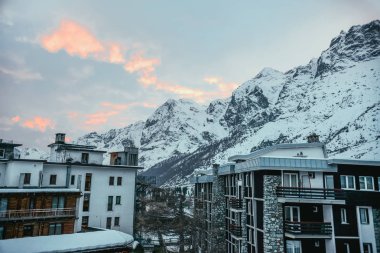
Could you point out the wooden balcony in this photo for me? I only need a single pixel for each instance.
(236, 203)
(36, 213)
(235, 230)
(308, 229)
(311, 195)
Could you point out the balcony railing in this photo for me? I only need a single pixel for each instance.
(310, 193)
(235, 230)
(310, 228)
(236, 203)
(36, 213)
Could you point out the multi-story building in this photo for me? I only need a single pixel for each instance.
(67, 193)
(292, 198)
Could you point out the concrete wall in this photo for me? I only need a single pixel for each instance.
(15, 168)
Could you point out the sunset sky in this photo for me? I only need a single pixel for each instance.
(83, 66)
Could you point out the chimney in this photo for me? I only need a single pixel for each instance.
(313, 138)
(60, 138)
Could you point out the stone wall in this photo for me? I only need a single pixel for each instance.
(273, 218)
(376, 223)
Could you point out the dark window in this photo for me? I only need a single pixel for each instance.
(86, 202)
(27, 178)
(72, 181)
(2, 232)
(109, 221)
(3, 204)
(53, 179)
(55, 229)
(2, 153)
(117, 221)
(87, 184)
(363, 215)
(84, 158)
(367, 247)
(58, 202)
(111, 181)
(133, 159)
(28, 230)
(110, 203)
(84, 222)
(118, 200)
(119, 180)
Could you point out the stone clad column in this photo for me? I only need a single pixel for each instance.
(273, 218)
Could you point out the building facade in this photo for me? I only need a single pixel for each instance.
(291, 198)
(67, 193)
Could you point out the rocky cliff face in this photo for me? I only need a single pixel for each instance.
(336, 96)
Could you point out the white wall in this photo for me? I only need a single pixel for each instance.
(366, 231)
(311, 152)
(316, 182)
(14, 168)
(76, 155)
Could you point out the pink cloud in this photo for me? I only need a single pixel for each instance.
(38, 123)
(224, 88)
(15, 119)
(99, 118)
(116, 54)
(139, 63)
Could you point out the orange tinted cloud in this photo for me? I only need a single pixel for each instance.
(99, 118)
(224, 88)
(139, 63)
(38, 123)
(15, 119)
(77, 40)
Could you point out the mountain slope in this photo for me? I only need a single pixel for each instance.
(336, 96)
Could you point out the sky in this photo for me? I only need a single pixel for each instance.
(82, 66)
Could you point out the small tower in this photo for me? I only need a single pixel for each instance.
(60, 138)
(313, 138)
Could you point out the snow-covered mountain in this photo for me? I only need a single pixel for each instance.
(337, 96)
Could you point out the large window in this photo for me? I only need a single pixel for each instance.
(347, 182)
(86, 202)
(53, 179)
(292, 213)
(343, 216)
(27, 178)
(290, 180)
(366, 183)
(55, 229)
(364, 218)
(58, 202)
(110, 203)
(293, 246)
(87, 185)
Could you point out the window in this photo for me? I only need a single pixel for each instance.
(84, 158)
(58, 202)
(346, 247)
(2, 233)
(3, 204)
(53, 179)
(27, 230)
(118, 200)
(111, 181)
(366, 183)
(292, 213)
(117, 221)
(86, 202)
(133, 159)
(27, 178)
(290, 180)
(110, 203)
(343, 216)
(84, 222)
(87, 184)
(367, 247)
(72, 181)
(109, 221)
(347, 182)
(2, 153)
(363, 212)
(293, 246)
(55, 229)
(119, 180)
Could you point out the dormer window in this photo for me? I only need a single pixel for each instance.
(84, 158)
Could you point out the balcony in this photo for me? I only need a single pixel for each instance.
(236, 203)
(36, 213)
(235, 230)
(310, 195)
(308, 229)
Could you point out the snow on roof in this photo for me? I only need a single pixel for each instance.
(37, 190)
(68, 242)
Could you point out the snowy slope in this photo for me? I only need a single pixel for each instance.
(336, 96)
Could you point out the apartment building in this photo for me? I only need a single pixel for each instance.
(67, 193)
(292, 198)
